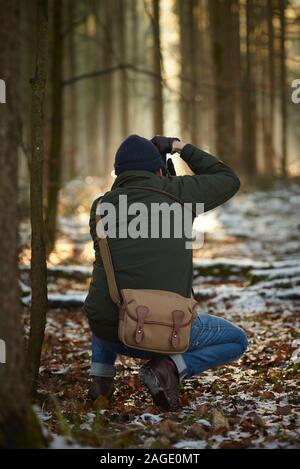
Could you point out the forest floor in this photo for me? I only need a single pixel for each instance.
(248, 272)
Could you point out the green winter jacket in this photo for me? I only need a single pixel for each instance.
(159, 264)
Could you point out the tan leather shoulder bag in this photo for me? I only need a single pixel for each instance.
(151, 320)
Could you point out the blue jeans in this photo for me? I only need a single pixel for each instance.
(214, 341)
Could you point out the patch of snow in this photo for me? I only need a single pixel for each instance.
(285, 272)
(204, 423)
(61, 371)
(150, 418)
(191, 444)
(71, 296)
(91, 416)
(62, 442)
(71, 269)
(43, 417)
(85, 426)
(296, 343)
(76, 298)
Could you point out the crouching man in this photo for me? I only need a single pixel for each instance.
(157, 263)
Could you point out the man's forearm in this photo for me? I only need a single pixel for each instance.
(213, 182)
(199, 161)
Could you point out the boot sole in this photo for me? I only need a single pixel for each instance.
(149, 379)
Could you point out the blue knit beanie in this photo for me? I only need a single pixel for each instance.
(137, 153)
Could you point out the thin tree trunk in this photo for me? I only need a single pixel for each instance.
(54, 168)
(184, 101)
(235, 46)
(192, 32)
(107, 83)
(19, 427)
(226, 63)
(249, 97)
(158, 119)
(269, 93)
(92, 92)
(189, 66)
(72, 167)
(38, 254)
(283, 88)
(135, 58)
(124, 74)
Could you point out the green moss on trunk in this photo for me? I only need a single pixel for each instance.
(22, 432)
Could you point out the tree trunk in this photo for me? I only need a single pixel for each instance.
(72, 94)
(38, 254)
(19, 427)
(123, 74)
(184, 74)
(269, 94)
(223, 37)
(192, 32)
(283, 87)
(235, 46)
(92, 93)
(135, 52)
(107, 83)
(189, 67)
(54, 168)
(158, 120)
(249, 97)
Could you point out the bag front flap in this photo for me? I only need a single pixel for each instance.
(159, 307)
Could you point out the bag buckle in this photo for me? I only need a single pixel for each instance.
(174, 338)
(141, 312)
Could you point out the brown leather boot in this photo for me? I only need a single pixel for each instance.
(161, 378)
(101, 386)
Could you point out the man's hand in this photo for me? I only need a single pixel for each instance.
(164, 144)
(177, 146)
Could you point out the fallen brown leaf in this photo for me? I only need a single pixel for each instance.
(164, 441)
(242, 444)
(284, 410)
(258, 420)
(169, 428)
(198, 431)
(219, 421)
(267, 395)
(201, 410)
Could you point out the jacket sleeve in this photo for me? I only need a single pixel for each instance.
(212, 184)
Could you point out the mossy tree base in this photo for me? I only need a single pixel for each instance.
(22, 432)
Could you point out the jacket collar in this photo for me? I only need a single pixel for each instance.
(131, 178)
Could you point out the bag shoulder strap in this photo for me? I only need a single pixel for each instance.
(108, 267)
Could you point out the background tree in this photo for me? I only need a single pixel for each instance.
(268, 87)
(38, 253)
(158, 114)
(122, 27)
(249, 116)
(189, 83)
(70, 94)
(224, 19)
(108, 85)
(54, 160)
(283, 87)
(19, 427)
